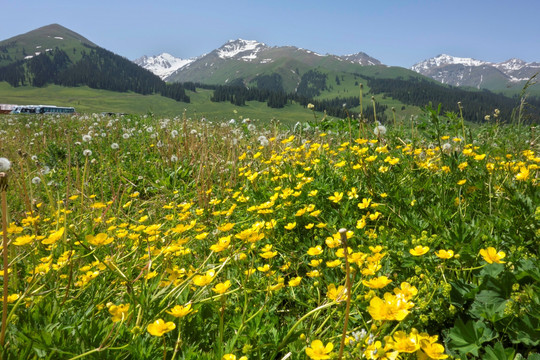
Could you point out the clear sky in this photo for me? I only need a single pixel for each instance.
(397, 32)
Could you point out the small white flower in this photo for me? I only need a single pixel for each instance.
(5, 164)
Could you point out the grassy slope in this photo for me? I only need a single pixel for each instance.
(86, 100)
(44, 38)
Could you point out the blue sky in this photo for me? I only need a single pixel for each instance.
(397, 32)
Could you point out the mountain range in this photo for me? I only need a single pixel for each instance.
(222, 66)
(479, 74)
(281, 76)
(246, 60)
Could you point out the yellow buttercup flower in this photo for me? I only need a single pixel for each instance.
(118, 312)
(336, 294)
(221, 288)
(318, 351)
(180, 310)
(445, 254)
(377, 283)
(314, 251)
(290, 226)
(491, 255)
(23, 240)
(336, 197)
(54, 237)
(419, 250)
(295, 282)
(99, 239)
(202, 280)
(160, 327)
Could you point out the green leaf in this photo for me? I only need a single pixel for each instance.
(468, 338)
(498, 353)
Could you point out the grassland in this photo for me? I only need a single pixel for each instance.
(150, 237)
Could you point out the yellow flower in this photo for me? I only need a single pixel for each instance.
(314, 251)
(221, 288)
(295, 282)
(280, 284)
(364, 204)
(315, 262)
(523, 174)
(377, 283)
(99, 239)
(318, 351)
(202, 280)
(12, 298)
(54, 237)
(336, 294)
(406, 290)
(419, 250)
(222, 244)
(333, 263)
(23, 240)
(432, 349)
(391, 308)
(268, 254)
(314, 273)
(290, 226)
(445, 254)
(264, 268)
(491, 255)
(160, 327)
(405, 343)
(118, 312)
(462, 182)
(180, 310)
(336, 197)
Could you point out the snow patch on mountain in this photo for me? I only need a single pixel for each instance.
(248, 49)
(163, 64)
(445, 59)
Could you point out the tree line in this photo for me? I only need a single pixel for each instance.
(475, 105)
(98, 68)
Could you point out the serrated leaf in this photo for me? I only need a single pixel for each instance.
(468, 338)
(498, 353)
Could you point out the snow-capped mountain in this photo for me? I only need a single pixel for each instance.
(360, 58)
(247, 59)
(458, 71)
(163, 65)
(241, 49)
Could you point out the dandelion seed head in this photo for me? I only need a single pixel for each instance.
(114, 146)
(87, 152)
(86, 138)
(5, 164)
(379, 130)
(36, 180)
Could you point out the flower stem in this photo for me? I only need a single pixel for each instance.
(3, 188)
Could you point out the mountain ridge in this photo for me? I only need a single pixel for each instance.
(458, 71)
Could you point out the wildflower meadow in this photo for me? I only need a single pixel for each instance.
(136, 237)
